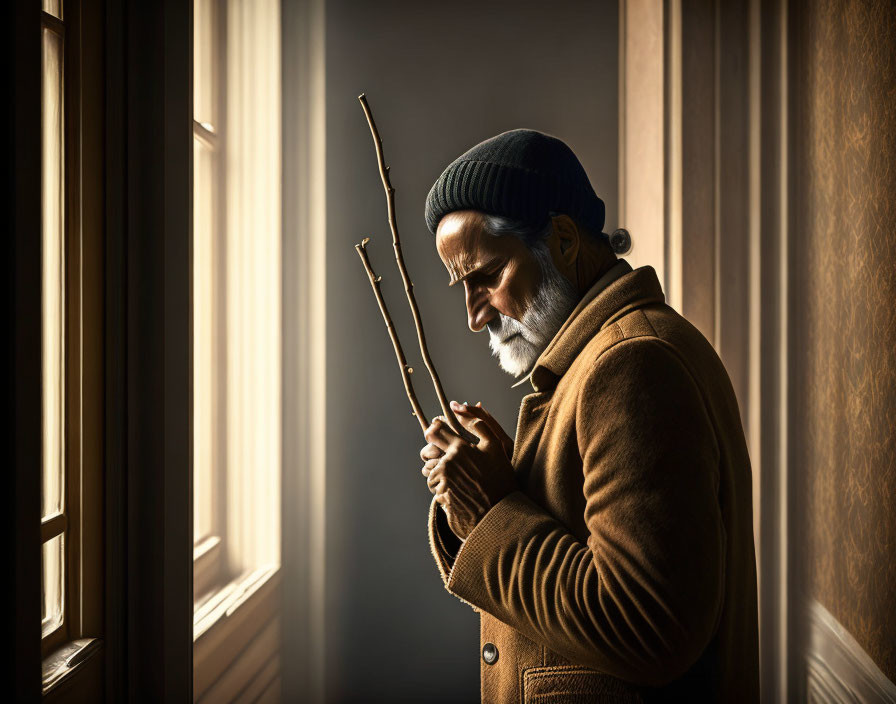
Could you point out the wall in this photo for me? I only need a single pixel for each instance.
(845, 243)
(438, 80)
(642, 133)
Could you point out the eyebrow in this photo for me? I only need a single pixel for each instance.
(471, 269)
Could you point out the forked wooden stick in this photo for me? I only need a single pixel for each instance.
(406, 370)
(408, 284)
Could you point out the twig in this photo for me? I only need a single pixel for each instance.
(408, 284)
(406, 370)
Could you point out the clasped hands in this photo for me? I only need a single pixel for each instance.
(467, 480)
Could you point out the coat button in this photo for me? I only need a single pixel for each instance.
(489, 653)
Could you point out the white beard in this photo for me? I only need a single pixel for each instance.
(518, 344)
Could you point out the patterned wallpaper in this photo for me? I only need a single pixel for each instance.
(844, 335)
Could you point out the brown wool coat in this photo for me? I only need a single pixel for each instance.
(623, 569)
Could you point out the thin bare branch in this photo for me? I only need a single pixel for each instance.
(408, 284)
(406, 370)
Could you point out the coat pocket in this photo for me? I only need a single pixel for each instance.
(571, 684)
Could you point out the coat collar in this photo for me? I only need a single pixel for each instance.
(618, 291)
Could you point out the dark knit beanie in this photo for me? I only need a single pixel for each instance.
(521, 174)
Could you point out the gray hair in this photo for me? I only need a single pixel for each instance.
(518, 343)
(528, 232)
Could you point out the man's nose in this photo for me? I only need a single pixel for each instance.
(479, 309)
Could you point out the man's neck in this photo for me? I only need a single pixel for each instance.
(592, 263)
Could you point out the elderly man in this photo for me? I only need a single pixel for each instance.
(609, 547)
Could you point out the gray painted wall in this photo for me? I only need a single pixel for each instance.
(440, 77)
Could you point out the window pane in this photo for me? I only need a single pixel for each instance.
(54, 7)
(204, 64)
(52, 572)
(204, 369)
(52, 189)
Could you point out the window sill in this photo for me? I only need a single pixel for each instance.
(208, 565)
(64, 663)
(229, 620)
(204, 546)
(224, 603)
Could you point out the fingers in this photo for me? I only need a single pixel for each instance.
(483, 431)
(439, 437)
(466, 420)
(435, 481)
(464, 408)
(469, 409)
(429, 466)
(440, 434)
(490, 419)
(430, 452)
(466, 412)
(473, 419)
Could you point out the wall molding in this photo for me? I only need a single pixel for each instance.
(837, 668)
(642, 148)
(304, 351)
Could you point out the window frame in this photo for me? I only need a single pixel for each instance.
(81, 519)
(148, 437)
(66, 523)
(210, 564)
(237, 584)
(58, 524)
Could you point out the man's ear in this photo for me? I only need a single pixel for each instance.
(566, 240)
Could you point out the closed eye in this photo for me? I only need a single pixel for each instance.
(484, 274)
(490, 274)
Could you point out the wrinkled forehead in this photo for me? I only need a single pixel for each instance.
(462, 243)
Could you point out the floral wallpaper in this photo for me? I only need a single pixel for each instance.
(843, 93)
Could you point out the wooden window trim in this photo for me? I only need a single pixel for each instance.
(211, 571)
(63, 670)
(208, 567)
(147, 343)
(66, 522)
(224, 630)
(237, 593)
(51, 526)
(81, 518)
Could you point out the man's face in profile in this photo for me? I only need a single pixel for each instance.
(514, 290)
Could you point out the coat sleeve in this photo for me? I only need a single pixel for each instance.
(442, 542)
(641, 600)
(444, 545)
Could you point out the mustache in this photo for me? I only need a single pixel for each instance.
(517, 343)
(503, 328)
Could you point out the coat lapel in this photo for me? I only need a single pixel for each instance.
(533, 409)
(636, 288)
(600, 307)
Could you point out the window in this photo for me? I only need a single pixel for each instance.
(236, 343)
(54, 513)
(209, 458)
(71, 371)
